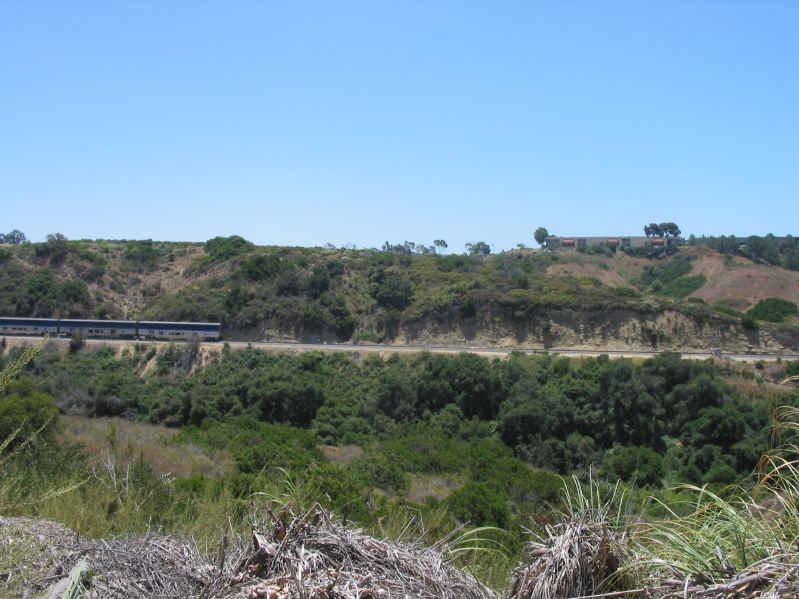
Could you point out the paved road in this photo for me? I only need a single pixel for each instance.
(278, 346)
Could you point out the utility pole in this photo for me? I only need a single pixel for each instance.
(715, 344)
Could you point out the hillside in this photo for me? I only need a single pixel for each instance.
(521, 298)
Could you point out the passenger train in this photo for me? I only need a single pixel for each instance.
(115, 329)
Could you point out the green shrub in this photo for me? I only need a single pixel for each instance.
(724, 307)
(416, 448)
(452, 262)
(142, 253)
(392, 291)
(25, 409)
(318, 283)
(639, 464)
(468, 309)
(664, 273)
(381, 472)
(368, 335)
(479, 504)
(749, 323)
(773, 309)
(224, 248)
(683, 286)
(625, 292)
(598, 250)
(76, 341)
(41, 294)
(262, 267)
(256, 446)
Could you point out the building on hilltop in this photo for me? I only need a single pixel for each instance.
(619, 241)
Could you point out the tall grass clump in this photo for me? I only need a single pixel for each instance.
(722, 535)
(583, 553)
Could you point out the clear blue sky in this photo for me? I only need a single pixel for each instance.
(303, 123)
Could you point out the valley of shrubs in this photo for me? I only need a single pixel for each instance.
(459, 439)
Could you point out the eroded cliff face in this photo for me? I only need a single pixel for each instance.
(601, 329)
(618, 329)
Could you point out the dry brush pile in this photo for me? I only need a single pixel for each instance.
(578, 558)
(310, 556)
(314, 557)
(36, 557)
(586, 560)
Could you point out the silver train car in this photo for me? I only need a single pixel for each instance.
(178, 330)
(28, 326)
(112, 329)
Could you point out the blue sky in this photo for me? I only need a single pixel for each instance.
(302, 123)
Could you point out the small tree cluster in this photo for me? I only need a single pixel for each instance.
(541, 235)
(478, 248)
(409, 248)
(15, 237)
(662, 230)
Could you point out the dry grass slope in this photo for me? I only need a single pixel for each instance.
(127, 441)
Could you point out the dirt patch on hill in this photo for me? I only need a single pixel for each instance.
(424, 486)
(615, 271)
(133, 294)
(741, 283)
(342, 455)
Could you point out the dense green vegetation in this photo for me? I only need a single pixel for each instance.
(554, 413)
(773, 309)
(23, 411)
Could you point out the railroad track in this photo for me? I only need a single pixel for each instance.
(289, 346)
